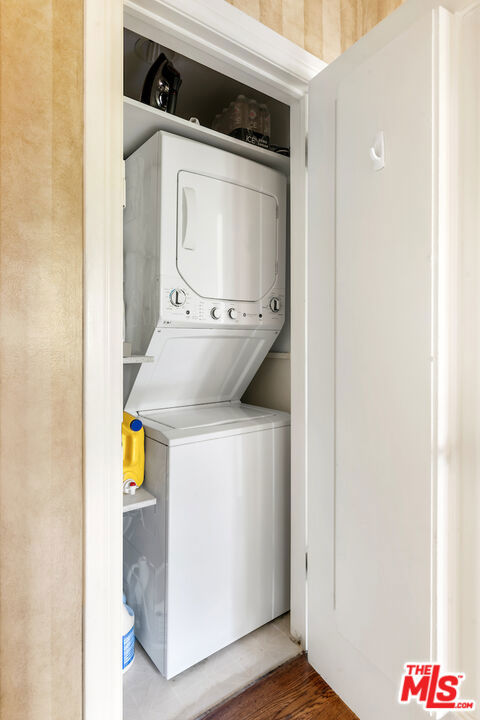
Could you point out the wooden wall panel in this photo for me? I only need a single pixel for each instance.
(325, 28)
(41, 238)
(271, 14)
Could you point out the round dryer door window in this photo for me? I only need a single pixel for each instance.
(226, 238)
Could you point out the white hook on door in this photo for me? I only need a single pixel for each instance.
(377, 151)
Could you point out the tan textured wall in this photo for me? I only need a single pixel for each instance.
(325, 28)
(41, 96)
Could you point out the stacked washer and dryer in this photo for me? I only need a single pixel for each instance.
(204, 280)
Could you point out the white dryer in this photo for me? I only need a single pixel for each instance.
(204, 240)
(204, 281)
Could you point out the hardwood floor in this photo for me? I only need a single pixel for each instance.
(293, 691)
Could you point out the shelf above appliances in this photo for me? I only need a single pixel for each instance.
(142, 121)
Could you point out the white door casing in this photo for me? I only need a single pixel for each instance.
(102, 378)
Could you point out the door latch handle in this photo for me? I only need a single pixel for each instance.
(377, 151)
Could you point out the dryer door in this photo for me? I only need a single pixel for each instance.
(227, 242)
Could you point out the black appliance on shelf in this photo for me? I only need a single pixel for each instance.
(161, 85)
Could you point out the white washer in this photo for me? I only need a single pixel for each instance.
(209, 562)
(204, 294)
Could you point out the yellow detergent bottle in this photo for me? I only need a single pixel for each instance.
(133, 442)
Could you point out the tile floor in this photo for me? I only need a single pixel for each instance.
(148, 696)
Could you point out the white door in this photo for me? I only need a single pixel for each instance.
(375, 174)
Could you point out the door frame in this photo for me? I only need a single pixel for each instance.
(217, 34)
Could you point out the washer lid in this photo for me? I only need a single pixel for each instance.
(201, 416)
(200, 423)
(196, 367)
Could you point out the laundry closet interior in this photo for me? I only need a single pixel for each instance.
(207, 371)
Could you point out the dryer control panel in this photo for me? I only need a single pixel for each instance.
(180, 307)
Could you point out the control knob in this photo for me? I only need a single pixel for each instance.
(275, 304)
(215, 313)
(177, 297)
(232, 314)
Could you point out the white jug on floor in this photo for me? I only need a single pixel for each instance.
(128, 639)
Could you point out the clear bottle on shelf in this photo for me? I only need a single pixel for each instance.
(253, 115)
(239, 112)
(233, 117)
(224, 121)
(217, 123)
(264, 113)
